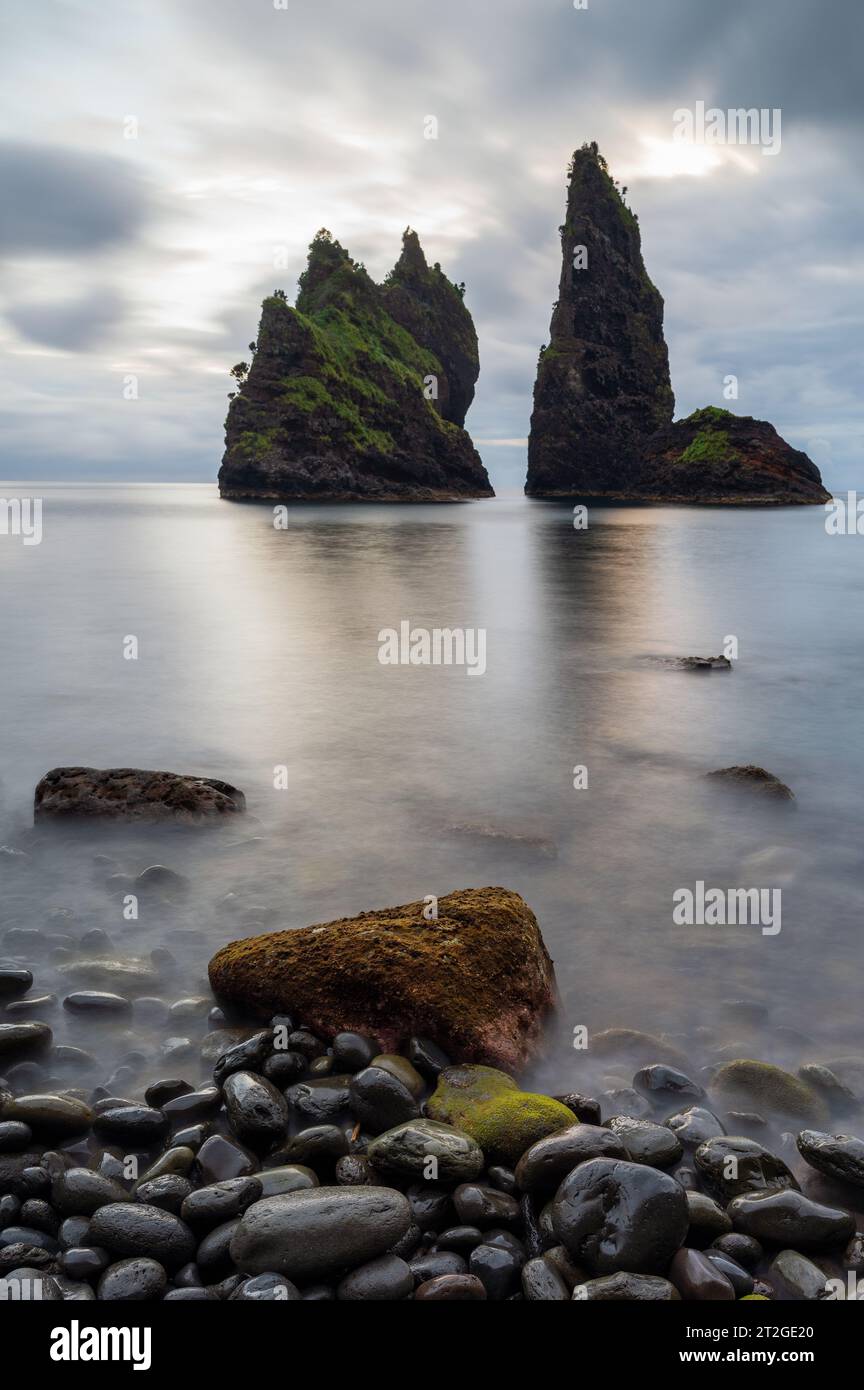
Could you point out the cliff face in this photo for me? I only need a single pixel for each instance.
(338, 403)
(425, 303)
(603, 382)
(716, 457)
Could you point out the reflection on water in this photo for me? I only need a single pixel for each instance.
(258, 650)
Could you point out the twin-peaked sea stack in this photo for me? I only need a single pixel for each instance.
(603, 403)
(360, 391)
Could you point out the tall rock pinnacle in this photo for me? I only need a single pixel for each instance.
(359, 392)
(603, 382)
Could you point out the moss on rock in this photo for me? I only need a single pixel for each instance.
(477, 979)
(762, 1086)
(488, 1105)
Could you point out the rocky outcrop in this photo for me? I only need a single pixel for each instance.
(603, 404)
(359, 392)
(603, 381)
(721, 459)
(432, 310)
(755, 780)
(477, 979)
(129, 793)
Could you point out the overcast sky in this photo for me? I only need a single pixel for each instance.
(256, 125)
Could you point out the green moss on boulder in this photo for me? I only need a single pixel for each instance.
(763, 1087)
(488, 1105)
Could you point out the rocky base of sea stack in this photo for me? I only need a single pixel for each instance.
(314, 1173)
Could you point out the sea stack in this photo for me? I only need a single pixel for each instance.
(603, 382)
(602, 423)
(358, 393)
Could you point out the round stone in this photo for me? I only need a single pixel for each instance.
(135, 1229)
(309, 1235)
(646, 1142)
(386, 1278)
(80, 1192)
(407, 1150)
(788, 1218)
(613, 1216)
(838, 1156)
(542, 1167)
(138, 1280)
(257, 1112)
(729, 1166)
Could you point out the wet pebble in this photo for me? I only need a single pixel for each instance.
(257, 1112)
(387, 1277)
(838, 1156)
(613, 1215)
(543, 1166)
(646, 1142)
(308, 1235)
(138, 1280)
(133, 1229)
(93, 1001)
(421, 1148)
(477, 1204)
(785, 1217)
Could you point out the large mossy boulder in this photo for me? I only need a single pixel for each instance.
(488, 1105)
(748, 1085)
(477, 979)
(359, 391)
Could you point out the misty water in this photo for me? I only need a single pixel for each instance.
(258, 649)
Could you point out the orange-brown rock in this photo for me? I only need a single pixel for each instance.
(477, 979)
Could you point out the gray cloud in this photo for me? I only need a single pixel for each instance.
(63, 201)
(77, 324)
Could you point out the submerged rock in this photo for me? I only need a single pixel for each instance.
(766, 1088)
(719, 458)
(603, 382)
(478, 980)
(752, 779)
(86, 793)
(358, 393)
(488, 1105)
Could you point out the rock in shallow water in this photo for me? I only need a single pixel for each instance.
(839, 1156)
(85, 793)
(487, 978)
(745, 1084)
(319, 1232)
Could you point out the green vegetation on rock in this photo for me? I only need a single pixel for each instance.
(488, 1105)
(761, 1086)
(359, 390)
